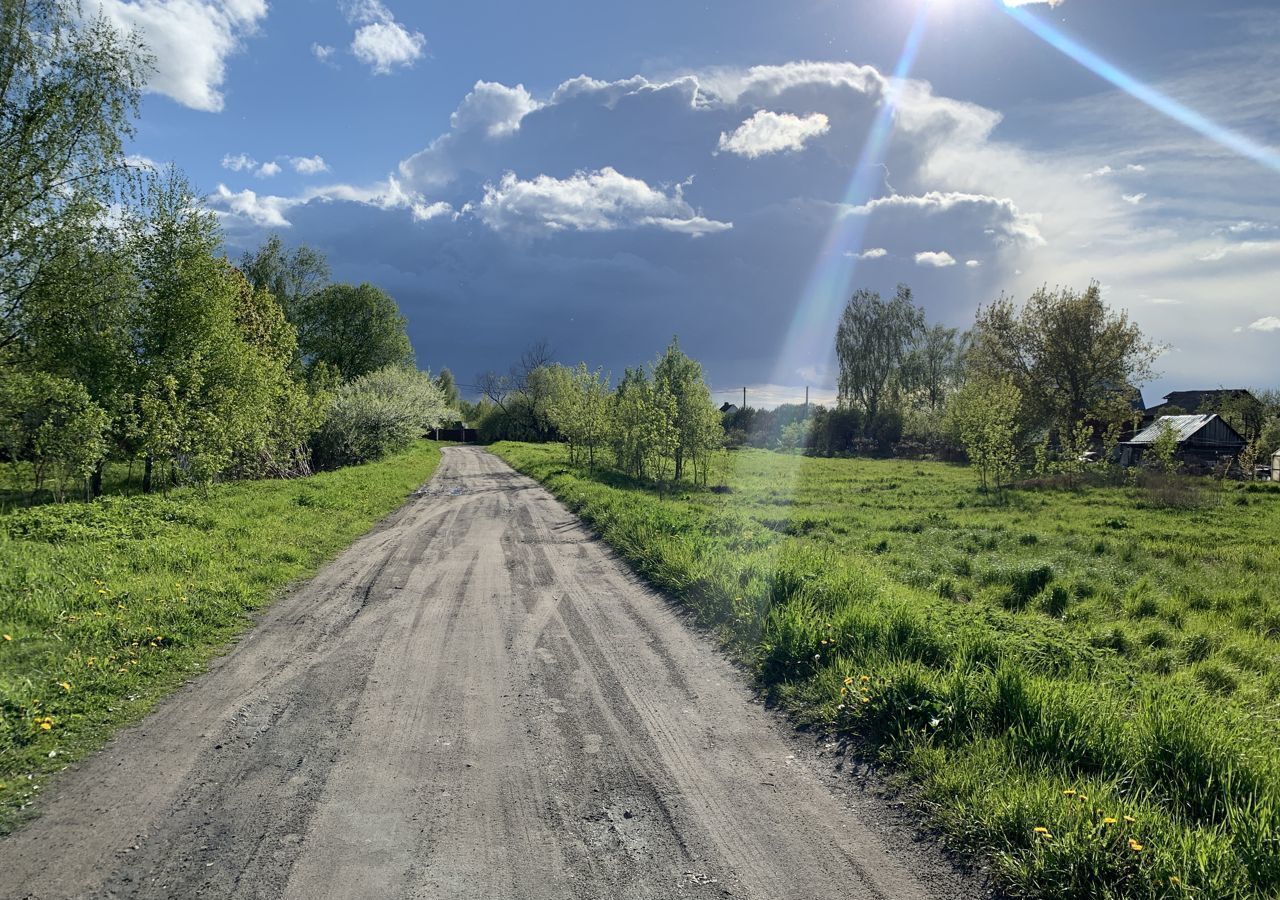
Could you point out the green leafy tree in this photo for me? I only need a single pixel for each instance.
(578, 408)
(207, 378)
(984, 415)
(933, 365)
(77, 325)
(695, 419)
(353, 329)
(1066, 352)
(51, 432)
(291, 276)
(69, 87)
(873, 342)
(641, 425)
(1164, 450)
(449, 388)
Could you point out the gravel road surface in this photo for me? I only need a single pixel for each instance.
(476, 700)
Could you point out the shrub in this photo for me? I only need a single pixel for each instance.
(378, 414)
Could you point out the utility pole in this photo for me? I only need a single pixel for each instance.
(744, 396)
(806, 401)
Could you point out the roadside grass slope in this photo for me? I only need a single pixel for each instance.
(1082, 683)
(105, 607)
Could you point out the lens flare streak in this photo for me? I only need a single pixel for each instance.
(1167, 106)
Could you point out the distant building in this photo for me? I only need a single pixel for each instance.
(1204, 440)
(1196, 401)
(729, 408)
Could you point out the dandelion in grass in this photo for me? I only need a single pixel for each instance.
(65, 685)
(1130, 819)
(847, 681)
(1135, 846)
(1043, 833)
(8, 637)
(1109, 820)
(1068, 793)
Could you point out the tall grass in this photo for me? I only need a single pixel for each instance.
(1081, 683)
(107, 606)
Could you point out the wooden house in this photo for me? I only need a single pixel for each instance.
(1204, 441)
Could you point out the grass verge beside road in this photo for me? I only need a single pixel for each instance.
(105, 607)
(1082, 683)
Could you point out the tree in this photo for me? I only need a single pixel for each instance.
(872, 343)
(1065, 351)
(641, 425)
(1164, 450)
(449, 388)
(77, 325)
(579, 409)
(353, 329)
(984, 415)
(933, 364)
(209, 362)
(69, 87)
(695, 420)
(50, 430)
(520, 396)
(291, 277)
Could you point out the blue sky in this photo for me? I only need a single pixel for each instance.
(606, 175)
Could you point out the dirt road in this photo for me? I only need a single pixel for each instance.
(475, 701)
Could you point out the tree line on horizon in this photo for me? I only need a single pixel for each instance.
(127, 336)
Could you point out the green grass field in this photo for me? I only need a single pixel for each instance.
(1083, 684)
(105, 607)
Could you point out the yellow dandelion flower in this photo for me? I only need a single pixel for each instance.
(66, 686)
(1084, 797)
(849, 680)
(1175, 880)
(1135, 846)
(1068, 793)
(46, 726)
(1130, 819)
(8, 637)
(866, 678)
(1109, 820)
(866, 699)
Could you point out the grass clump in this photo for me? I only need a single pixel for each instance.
(1097, 724)
(107, 606)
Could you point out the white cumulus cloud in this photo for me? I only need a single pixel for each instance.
(873, 253)
(494, 107)
(268, 169)
(999, 216)
(937, 259)
(323, 52)
(1133, 199)
(972, 263)
(190, 41)
(308, 165)
(1266, 323)
(770, 132)
(602, 200)
(380, 42)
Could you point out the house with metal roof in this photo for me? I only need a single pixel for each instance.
(1203, 440)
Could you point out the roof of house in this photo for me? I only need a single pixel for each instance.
(1194, 400)
(1183, 427)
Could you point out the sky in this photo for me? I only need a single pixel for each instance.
(606, 176)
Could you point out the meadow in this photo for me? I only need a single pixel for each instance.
(1080, 683)
(107, 606)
